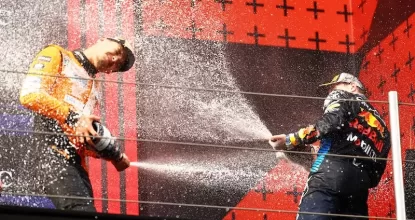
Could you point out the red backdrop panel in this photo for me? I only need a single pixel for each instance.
(335, 25)
(388, 67)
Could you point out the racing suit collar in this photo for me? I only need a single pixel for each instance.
(340, 91)
(363, 96)
(83, 60)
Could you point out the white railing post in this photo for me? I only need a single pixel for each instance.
(396, 156)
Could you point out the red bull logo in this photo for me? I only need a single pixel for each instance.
(369, 131)
(372, 121)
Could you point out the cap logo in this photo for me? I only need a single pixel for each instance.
(335, 78)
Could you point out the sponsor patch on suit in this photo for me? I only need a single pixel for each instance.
(44, 59)
(38, 66)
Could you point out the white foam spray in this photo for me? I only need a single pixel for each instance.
(194, 115)
(209, 175)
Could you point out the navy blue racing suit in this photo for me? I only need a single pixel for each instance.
(339, 185)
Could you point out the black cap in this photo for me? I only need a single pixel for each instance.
(130, 58)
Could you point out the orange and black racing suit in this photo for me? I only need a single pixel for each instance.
(349, 126)
(59, 87)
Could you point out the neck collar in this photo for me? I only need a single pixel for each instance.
(88, 66)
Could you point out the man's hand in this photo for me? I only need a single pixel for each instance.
(122, 164)
(84, 129)
(278, 142)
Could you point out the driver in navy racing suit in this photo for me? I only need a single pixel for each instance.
(349, 126)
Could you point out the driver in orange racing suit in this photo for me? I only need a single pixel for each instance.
(60, 88)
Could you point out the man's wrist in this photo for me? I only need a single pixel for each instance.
(287, 140)
(291, 140)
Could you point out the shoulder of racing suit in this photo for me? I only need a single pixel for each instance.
(339, 106)
(47, 61)
(336, 98)
(41, 77)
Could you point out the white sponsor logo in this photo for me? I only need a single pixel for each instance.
(38, 66)
(366, 147)
(30, 85)
(44, 59)
(356, 163)
(74, 102)
(351, 137)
